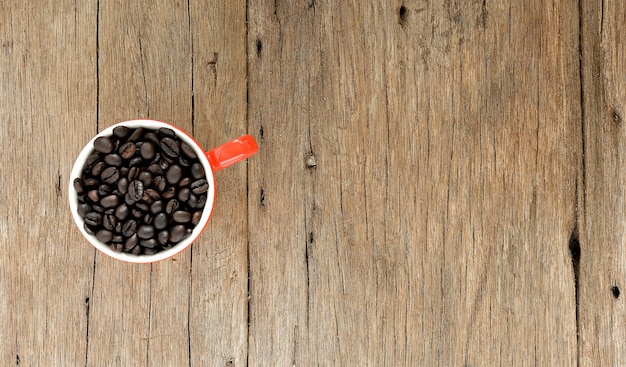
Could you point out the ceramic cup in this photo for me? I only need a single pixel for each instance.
(212, 161)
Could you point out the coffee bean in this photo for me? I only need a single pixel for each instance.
(122, 212)
(152, 138)
(183, 161)
(177, 233)
(131, 242)
(200, 187)
(162, 237)
(90, 182)
(189, 152)
(110, 175)
(159, 182)
(145, 177)
(136, 250)
(136, 213)
(109, 221)
(89, 229)
(135, 190)
(192, 202)
(91, 161)
(147, 219)
(181, 216)
(117, 239)
(170, 147)
(93, 196)
(135, 135)
(118, 227)
(164, 164)
(147, 150)
(135, 162)
(143, 207)
(129, 228)
(104, 236)
(173, 174)
(116, 246)
(155, 169)
(183, 194)
(104, 190)
(160, 221)
(197, 171)
(78, 185)
(109, 201)
(149, 251)
(97, 208)
(127, 150)
(201, 202)
(184, 182)
(122, 185)
(83, 209)
(98, 168)
(169, 193)
(166, 132)
(133, 172)
(195, 218)
(145, 232)
(149, 243)
(81, 198)
(157, 207)
(128, 200)
(113, 160)
(103, 145)
(121, 131)
(172, 206)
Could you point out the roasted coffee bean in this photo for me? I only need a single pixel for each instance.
(160, 221)
(78, 185)
(109, 201)
(118, 227)
(164, 164)
(183, 194)
(128, 200)
(201, 202)
(103, 145)
(90, 182)
(131, 242)
(169, 193)
(162, 237)
(93, 196)
(160, 183)
(136, 250)
(188, 150)
(197, 171)
(147, 219)
(152, 138)
(170, 147)
(195, 218)
(200, 187)
(109, 221)
(129, 228)
(148, 243)
(173, 174)
(133, 172)
(113, 160)
(97, 208)
(83, 209)
(177, 233)
(166, 132)
(157, 207)
(122, 212)
(117, 239)
(89, 229)
(91, 161)
(147, 150)
(154, 169)
(145, 177)
(143, 207)
(81, 198)
(145, 231)
(157, 158)
(121, 131)
(184, 161)
(135, 162)
(127, 150)
(135, 134)
(135, 190)
(104, 236)
(98, 168)
(181, 216)
(124, 171)
(184, 182)
(116, 246)
(192, 202)
(104, 190)
(109, 211)
(149, 251)
(110, 175)
(136, 213)
(122, 185)
(153, 194)
(172, 206)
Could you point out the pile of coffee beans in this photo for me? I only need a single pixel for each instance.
(141, 191)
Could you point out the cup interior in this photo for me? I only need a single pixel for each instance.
(77, 172)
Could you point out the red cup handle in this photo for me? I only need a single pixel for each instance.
(232, 152)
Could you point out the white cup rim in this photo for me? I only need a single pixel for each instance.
(165, 254)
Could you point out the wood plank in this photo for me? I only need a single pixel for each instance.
(218, 313)
(140, 313)
(602, 263)
(47, 112)
(416, 187)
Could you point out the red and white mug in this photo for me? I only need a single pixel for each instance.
(212, 161)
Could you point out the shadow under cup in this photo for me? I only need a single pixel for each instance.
(77, 172)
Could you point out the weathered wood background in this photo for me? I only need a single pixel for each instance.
(439, 183)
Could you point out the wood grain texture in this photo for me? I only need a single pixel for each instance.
(439, 183)
(602, 268)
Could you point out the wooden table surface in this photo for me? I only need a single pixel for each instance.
(439, 183)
